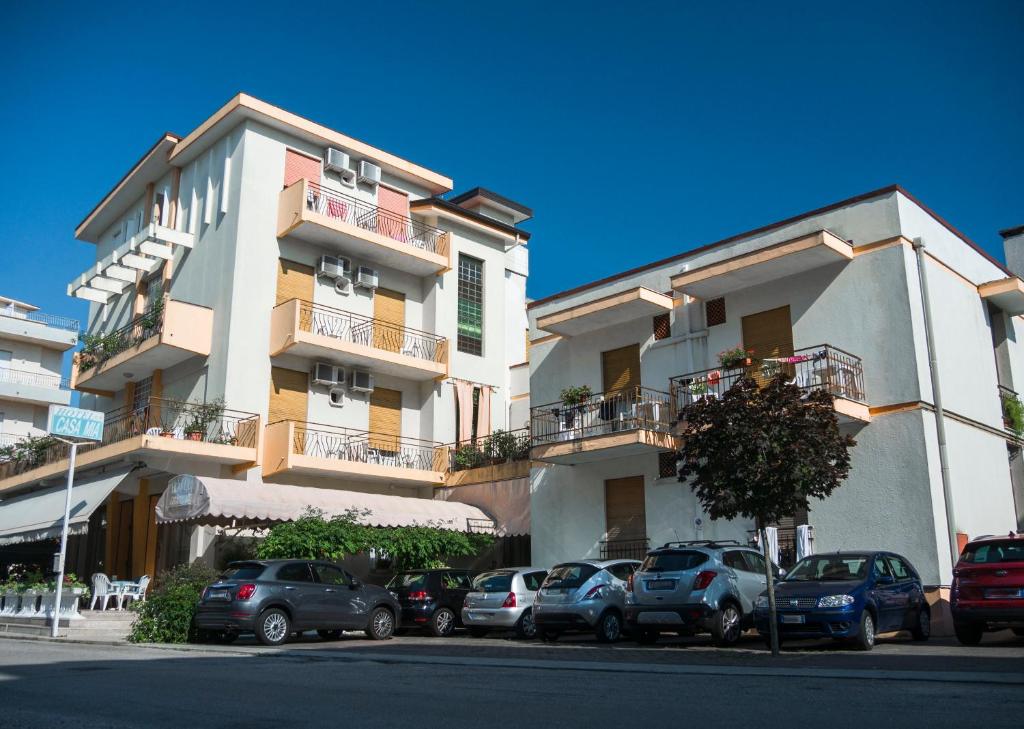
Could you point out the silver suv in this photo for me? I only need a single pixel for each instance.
(585, 595)
(690, 587)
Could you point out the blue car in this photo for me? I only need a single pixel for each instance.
(849, 596)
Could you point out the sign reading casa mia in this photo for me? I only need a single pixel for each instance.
(68, 422)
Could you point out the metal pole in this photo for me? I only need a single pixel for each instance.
(64, 540)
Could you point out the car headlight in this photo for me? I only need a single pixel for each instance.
(834, 601)
(761, 601)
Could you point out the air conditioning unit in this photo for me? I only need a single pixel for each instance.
(366, 278)
(338, 161)
(334, 267)
(325, 373)
(369, 172)
(361, 381)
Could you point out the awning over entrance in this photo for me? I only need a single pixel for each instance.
(508, 502)
(38, 516)
(219, 501)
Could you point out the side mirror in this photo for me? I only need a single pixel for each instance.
(355, 584)
(884, 580)
(782, 574)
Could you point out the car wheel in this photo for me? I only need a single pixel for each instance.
(968, 633)
(382, 624)
(646, 637)
(865, 639)
(329, 634)
(550, 636)
(442, 624)
(923, 627)
(478, 632)
(273, 627)
(609, 627)
(725, 628)
(525, 627)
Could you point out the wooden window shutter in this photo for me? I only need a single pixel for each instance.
(385, 419)
(294, 281)
(625, 510)
(393, 225)
(768, 334)
(620, 368)
(289, 395)
(662, 326)
(298, 166)
(388, 308)
(714, 311)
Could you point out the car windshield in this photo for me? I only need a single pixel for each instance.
(408, 581)
(568, 576)
(493, 582)
(674, 561)
(1006, 550)
(242, 572)
(830, 568)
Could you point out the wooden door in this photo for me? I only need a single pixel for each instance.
(389, 310)
(768, 334)
(624, 508)
(298, 166)
(122, 566)
(289, 395)
(620, 368)
(394, 219)
(294, 281)
(385, 418)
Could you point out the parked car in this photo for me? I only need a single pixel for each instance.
(278, 597)
(697, 586)
(588, 595)
(988, 588)
(848, 596)
(503, 599)
(431, 599)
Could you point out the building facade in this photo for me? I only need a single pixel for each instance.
(835, 299)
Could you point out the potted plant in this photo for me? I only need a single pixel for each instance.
(151, 320)
(202, 416)
(1013, 412)
(576, 395)
(467, 456)
(735, 357)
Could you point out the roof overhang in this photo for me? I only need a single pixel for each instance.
(436, 208)
(1006, 293)
(770, 263)
(605, 312)
(481, 196)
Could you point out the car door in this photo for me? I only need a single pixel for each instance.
(335, 607)
(886, 592)
(300, 591)
(909, 592)
(620, 574)
(751, 579)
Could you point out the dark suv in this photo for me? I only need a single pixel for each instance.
(275, 598)
(432, 599)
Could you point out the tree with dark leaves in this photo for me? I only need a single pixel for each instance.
(762, 452)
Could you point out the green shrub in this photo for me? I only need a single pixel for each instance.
(166, 615)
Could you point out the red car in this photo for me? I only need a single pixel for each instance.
(988, 588)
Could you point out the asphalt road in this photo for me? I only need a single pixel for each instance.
(463, 682)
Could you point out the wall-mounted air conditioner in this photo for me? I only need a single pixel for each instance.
(338, 161)
(366, 278)
(334, 267)
(369, 172)
(325, 373)
(361, 381)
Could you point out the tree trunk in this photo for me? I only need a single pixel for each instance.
(773, 617)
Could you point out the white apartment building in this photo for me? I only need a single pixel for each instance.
(277, 307)
(834, 296)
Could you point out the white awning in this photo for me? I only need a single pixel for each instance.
(508, 503)
(219, 501)
(38, 516)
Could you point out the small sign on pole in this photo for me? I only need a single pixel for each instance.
(77, 424)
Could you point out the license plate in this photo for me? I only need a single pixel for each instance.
(797, 619)
(661, 584)
(1004, 593)
(219, 595)
(655, 618)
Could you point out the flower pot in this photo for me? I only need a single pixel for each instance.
(194, 436)
(166, 434)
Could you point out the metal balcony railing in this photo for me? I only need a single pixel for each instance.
(204, 422)
(50, 320)
(362, 446)
(36, 379)
(625, 548)
(632, 408)
(9, 439)
(368, 216)
(499, 447)
(377, 333)
(1012, 409)
(98, 348)
(822, 367)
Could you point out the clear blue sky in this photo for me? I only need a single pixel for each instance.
(634, 130)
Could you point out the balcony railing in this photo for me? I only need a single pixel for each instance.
(1012, 409)
(370, 332)
(368, 216)
(98, 348)
(625, 548)
(36, 379)
(9, 439)
(203, 422)
(360, 446)
(823, 367)
(50, 320)
(499, 447)
(629, 409)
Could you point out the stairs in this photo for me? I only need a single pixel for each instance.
(102, 625)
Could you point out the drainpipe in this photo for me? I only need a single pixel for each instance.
(940, 419)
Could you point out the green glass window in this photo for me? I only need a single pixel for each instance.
(471, 305)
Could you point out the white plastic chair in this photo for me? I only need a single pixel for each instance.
(154, 431)
(103, 591)
(136, 591)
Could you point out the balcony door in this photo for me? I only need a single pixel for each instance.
(289, 395)
(620, 368)
(768, 334)
(388, 309)
(625, 511)
(385, 419)
(396, 203)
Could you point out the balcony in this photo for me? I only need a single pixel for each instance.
(360, 229)
(162, 428)
(1006, 293)
(822, 367)
(1012, 410)
(331, 451)
(764, 265)
(629, 422)
(52, 332)
(607, 311)
(37, 388)
(501, 456)
(170, 333)
(320, 332)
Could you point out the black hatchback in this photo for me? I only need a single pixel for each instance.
(278, 597)
(432, 599)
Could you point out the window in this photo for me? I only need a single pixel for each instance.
(143, 391)
(471, 305)
(534, 580)
(880, 569)
(674, 561)
(456, 581)
(1008, 550)
(329, 575)
(667, 465)
(243, 572)
(493, 582)
(755, 562)
(409, 581)
(831, 567)
(662, 326)
(295, 572)
(898, 568)
(569, 576)
(622, 571)
(735, 561)
(714, 311)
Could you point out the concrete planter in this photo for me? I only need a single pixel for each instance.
(29, 602)
(12, 601)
